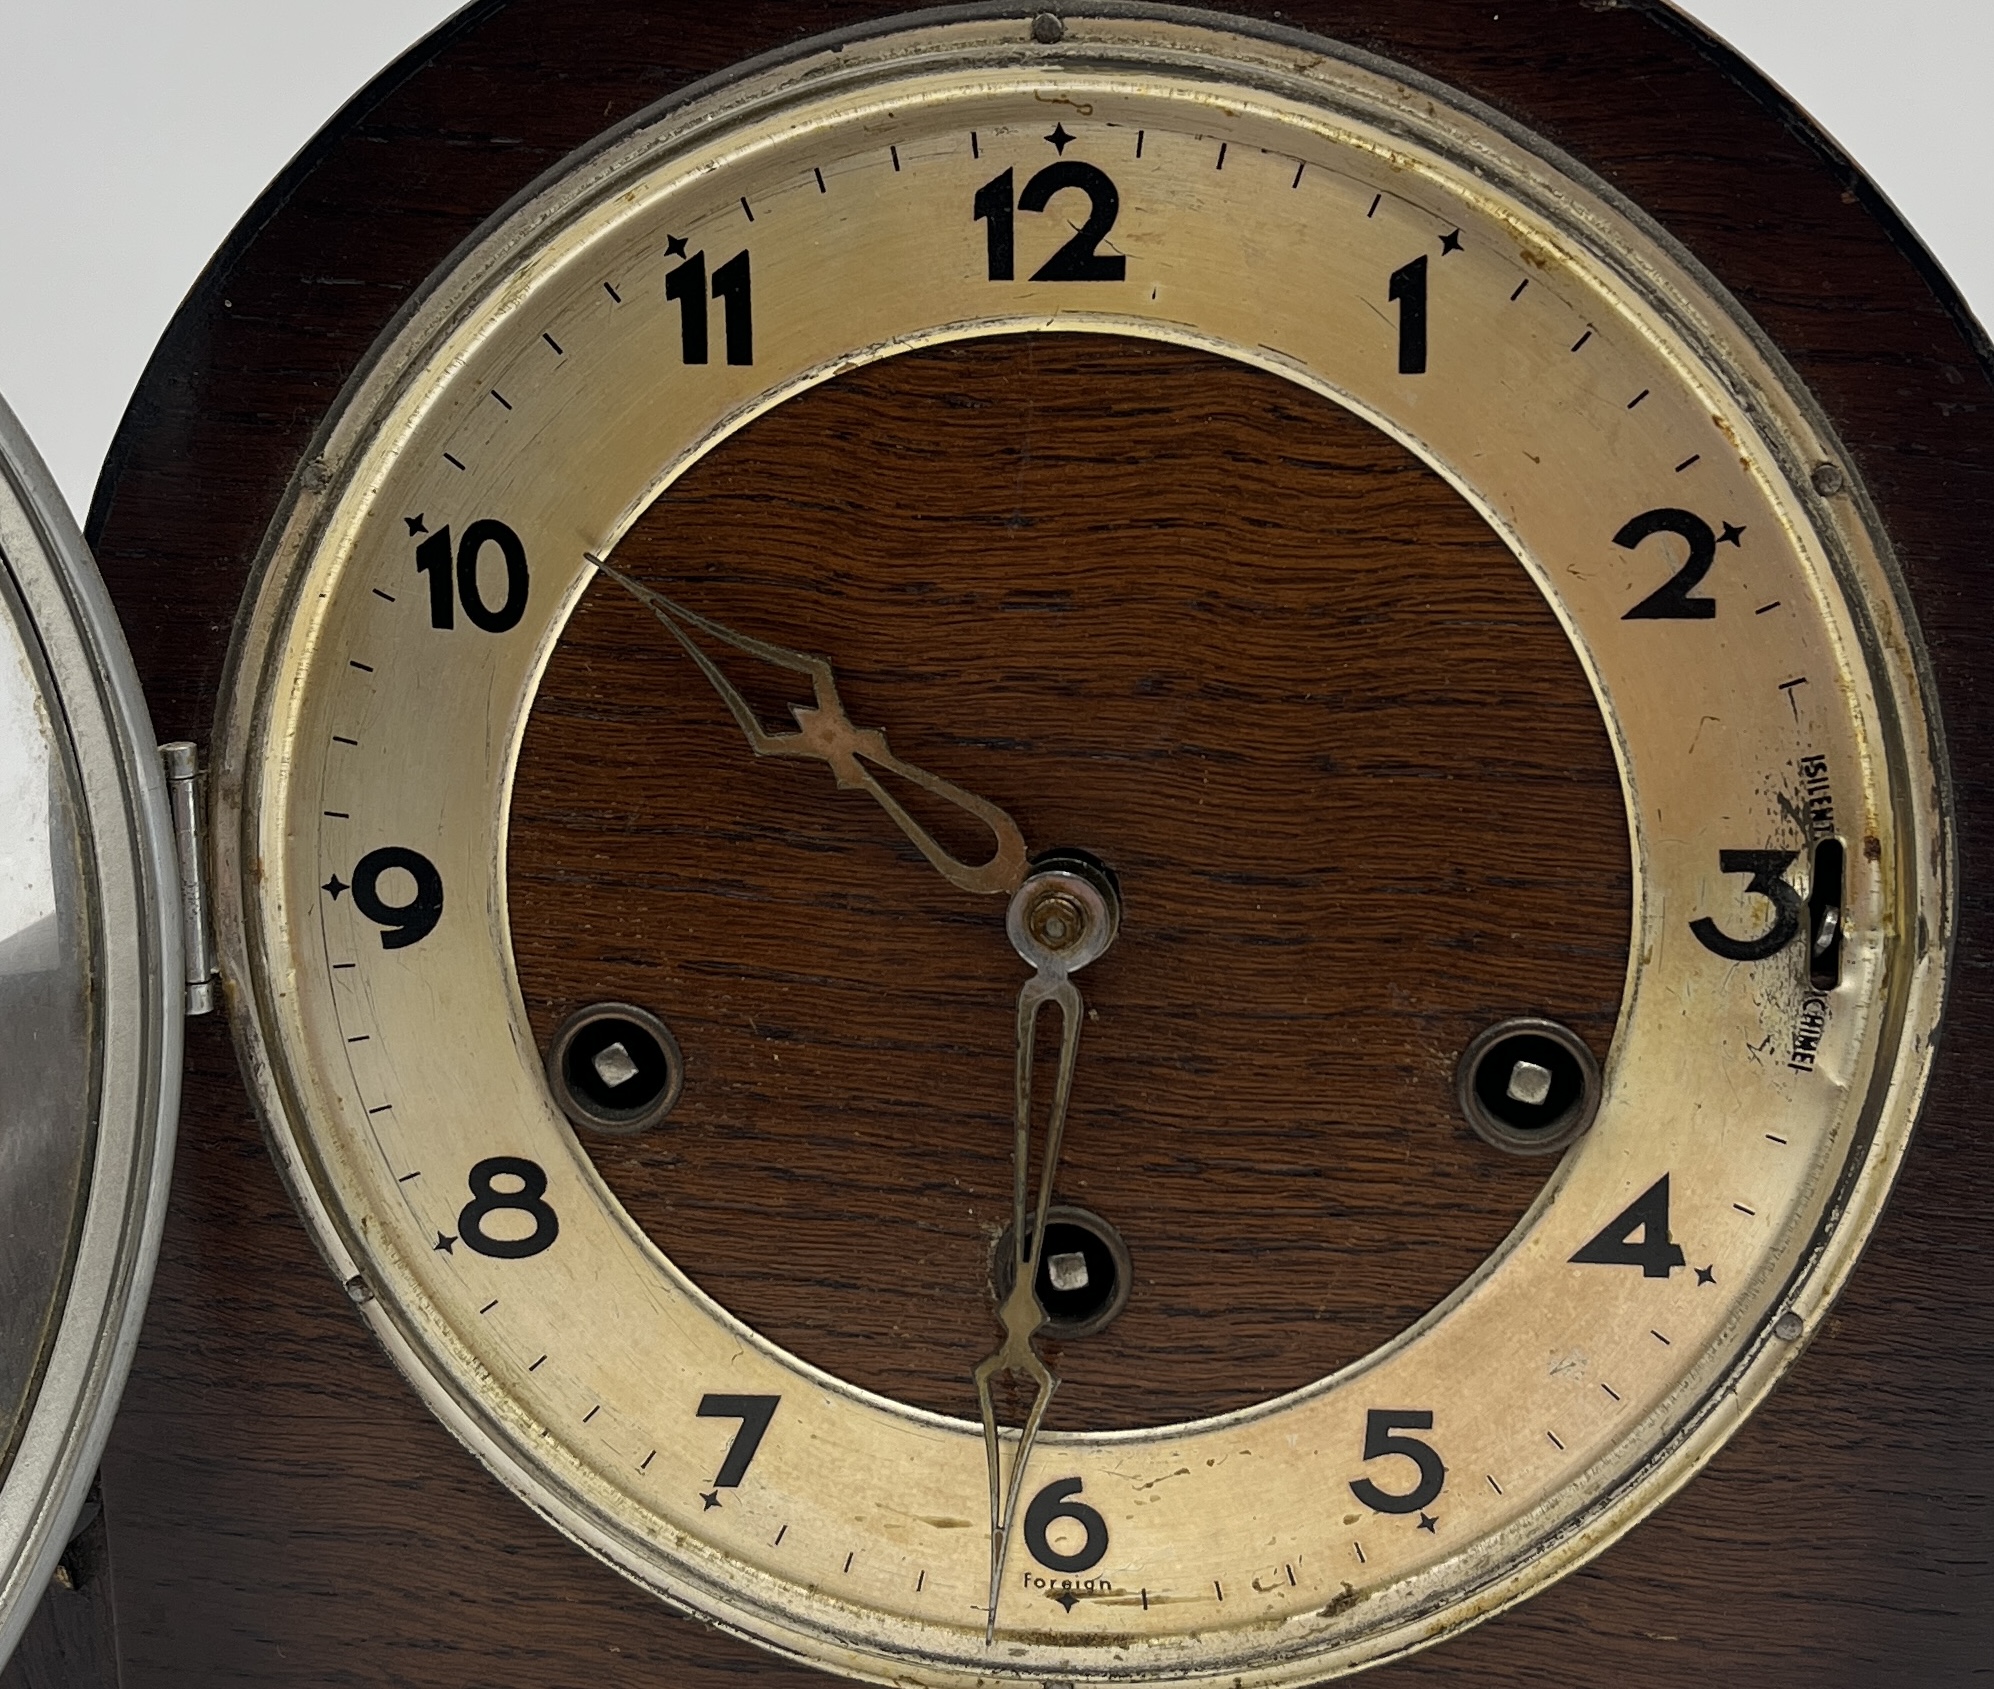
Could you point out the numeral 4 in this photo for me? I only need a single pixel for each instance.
(1653, 1251)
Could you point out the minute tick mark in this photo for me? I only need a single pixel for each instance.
(606, 288)
(1376, 201)
(1694, 457)
(1582, 339)
(819, 174)
(551, 341)
(1763, 608)
(1520, 286)
(1222, 151)
(389, 596)
(502, 399)
(1297, 182)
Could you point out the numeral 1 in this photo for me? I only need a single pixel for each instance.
(1408, 289)
(994, 206)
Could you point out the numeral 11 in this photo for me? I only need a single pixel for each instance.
(731, 285)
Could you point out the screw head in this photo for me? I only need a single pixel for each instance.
(1057, 921)
(1828, 479)
(1046, 29)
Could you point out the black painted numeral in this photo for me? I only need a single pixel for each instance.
(528, 1199)
(1054, 1502)
(733, 287)
(1670, 602)
(402, 924)
(1408, 290)
(1765, 868)
(1079, 259)
(993, 206)
(1381, 1437)
(1654, 1252)
(754, 1413)
(450, 587)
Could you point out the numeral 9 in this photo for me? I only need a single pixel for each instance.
(405, 923)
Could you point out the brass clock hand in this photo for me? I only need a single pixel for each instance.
(827, 733)
(1063, 916)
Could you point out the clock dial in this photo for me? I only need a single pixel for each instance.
(517, 479)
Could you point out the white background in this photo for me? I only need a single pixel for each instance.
(133, 133)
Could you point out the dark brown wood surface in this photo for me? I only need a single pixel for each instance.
(281, 1509)
(1236, 642)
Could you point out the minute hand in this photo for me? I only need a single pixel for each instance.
(826, 733)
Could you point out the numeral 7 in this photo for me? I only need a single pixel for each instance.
(754, 1413)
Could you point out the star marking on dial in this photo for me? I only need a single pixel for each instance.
(1451, 241)
(446, 1242)
(1429, 1524)
(335, 886)
(1732, 535)
(675, 246)
(709, 1499)
(1060, 139)
(1066, 1599)
(416, 525)
(1707, 1275)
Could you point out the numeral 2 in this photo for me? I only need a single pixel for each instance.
(1078, 259)
(1670, 602)
(732, 285)
(754, 1413)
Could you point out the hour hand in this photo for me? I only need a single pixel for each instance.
(826, 732)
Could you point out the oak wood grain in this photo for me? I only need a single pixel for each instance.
(284, 1512)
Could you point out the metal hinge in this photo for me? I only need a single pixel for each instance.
(190, 844)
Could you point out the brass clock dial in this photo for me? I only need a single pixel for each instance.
(499, 481)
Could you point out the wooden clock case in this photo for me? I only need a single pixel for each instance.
(277, 1506)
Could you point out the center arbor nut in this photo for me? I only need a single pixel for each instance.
(1067, 911)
